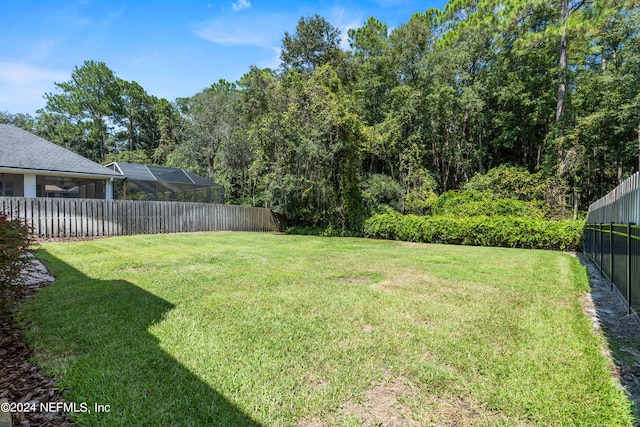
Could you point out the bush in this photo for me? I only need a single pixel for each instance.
(505, 231)
(421, 191)
(477, 203)
(381, 190)
(510, 182)
(14, 241)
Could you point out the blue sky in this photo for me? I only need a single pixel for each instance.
(171, 48)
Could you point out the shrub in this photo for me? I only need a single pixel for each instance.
(420, 191)
(379, 190)
(510, 182)
(14, 241)
(476, 203)
(505, 231)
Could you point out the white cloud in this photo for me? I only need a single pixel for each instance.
(22, 86)
(41, 51)
(262, 31)
(22, 74)
(344, 23)
(241, 4)
(273, 61)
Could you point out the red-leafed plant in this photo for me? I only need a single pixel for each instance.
(14, 242)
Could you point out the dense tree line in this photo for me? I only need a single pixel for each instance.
(550, 87)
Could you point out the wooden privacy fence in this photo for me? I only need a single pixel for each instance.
(59, 218)
(612, 238)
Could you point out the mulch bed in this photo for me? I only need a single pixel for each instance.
(20, 380)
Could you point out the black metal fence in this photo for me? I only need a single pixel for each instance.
(612, 239)
(615, 249)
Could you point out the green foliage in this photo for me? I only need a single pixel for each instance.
(211, 135)
(95, 113)
(508, 182)
(316, 42)
(14, 241)
(89, 98)
(431, 104)
(135, 156)
(378, 189)
(307, 145)
(503, 231)
(420, 190)
(23, 121)
(419, 201)
(474, 203)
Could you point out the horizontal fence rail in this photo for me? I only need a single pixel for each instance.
(612, 239)
(65, 218)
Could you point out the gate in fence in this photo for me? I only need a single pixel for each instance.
(60, 218)
(612, 238)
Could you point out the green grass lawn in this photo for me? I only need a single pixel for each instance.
(278, 330)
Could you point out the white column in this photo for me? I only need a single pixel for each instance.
(30, 185)
(109, 189)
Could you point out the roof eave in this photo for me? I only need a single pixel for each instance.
(9, 169)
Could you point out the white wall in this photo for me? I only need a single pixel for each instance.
(109, 195)
(30, 185)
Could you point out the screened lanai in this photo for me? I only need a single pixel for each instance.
(143, 182)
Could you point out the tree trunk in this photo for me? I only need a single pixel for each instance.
(562, 61)
(102, 144)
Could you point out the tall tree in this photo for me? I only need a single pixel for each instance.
(91, 99)
(138, 118)
(211, 121)
(307, 150)
(169, 127)
(23, 121)
(374, 69)
(315, 42)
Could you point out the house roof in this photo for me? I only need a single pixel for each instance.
(23, 151)
(137, 172)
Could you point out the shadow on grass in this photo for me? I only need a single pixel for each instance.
(620, 329)
(94, 335)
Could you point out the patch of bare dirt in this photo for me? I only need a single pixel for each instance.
(20, 380)
(404, 280)
(609, 314)
(382, 406)
(463, 412)
(367, 329)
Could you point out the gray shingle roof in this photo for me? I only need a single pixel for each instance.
(20, 149)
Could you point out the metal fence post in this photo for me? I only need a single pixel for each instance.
(600, 248)
(629, 224)
(611, 254)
